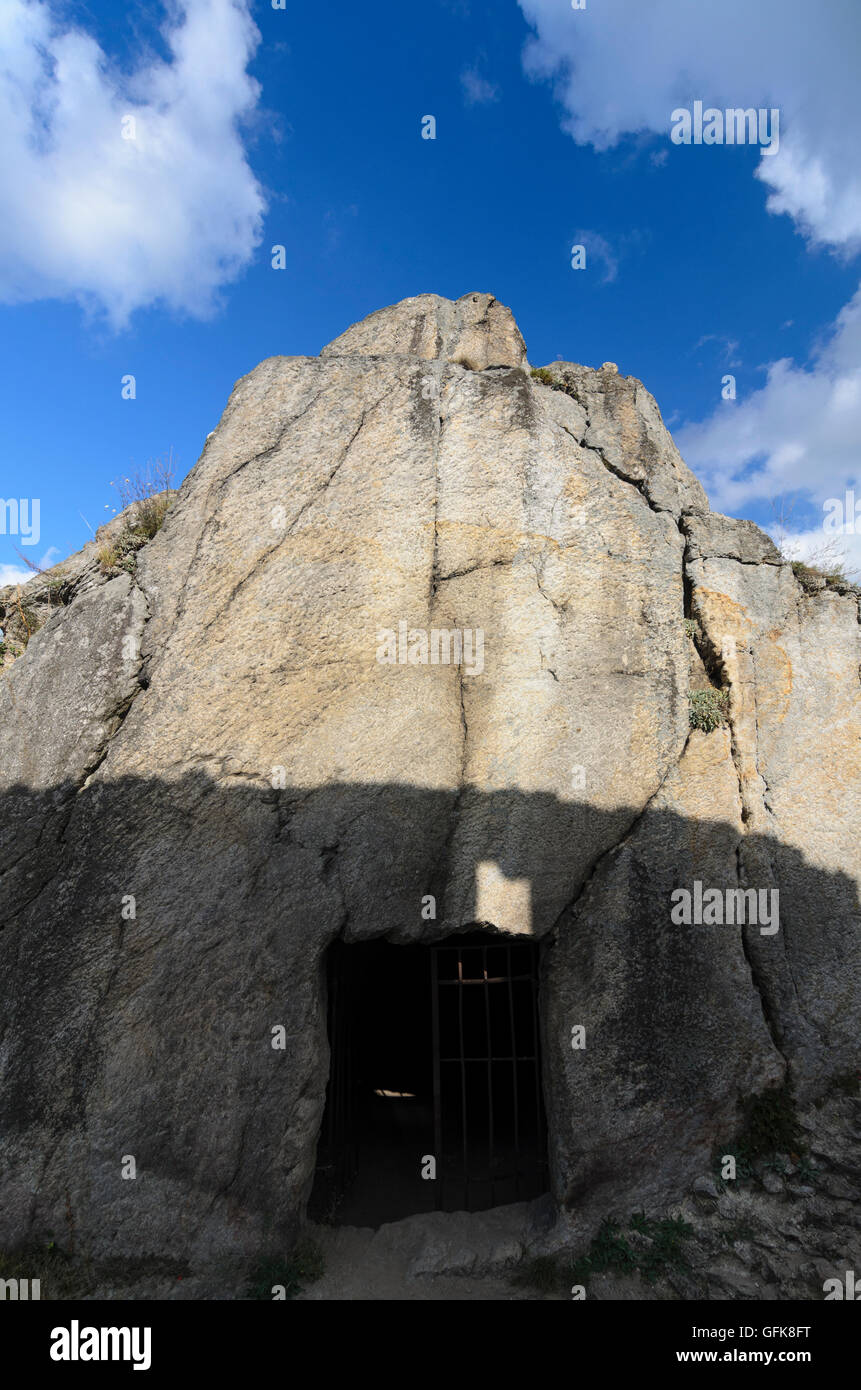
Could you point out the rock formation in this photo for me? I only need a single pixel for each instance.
(213, 766)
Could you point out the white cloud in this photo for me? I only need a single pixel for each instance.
(14, 574)
(115, 223)
(821, 548)
(598, 249)
(19, 574)
(801, 432)
(621, 67)
(477, 91)
(726, 346)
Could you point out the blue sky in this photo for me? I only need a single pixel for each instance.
(302, 127)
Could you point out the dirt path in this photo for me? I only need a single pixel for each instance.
(439, 1255)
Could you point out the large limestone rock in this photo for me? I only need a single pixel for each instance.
(216, 737)
(475, 331)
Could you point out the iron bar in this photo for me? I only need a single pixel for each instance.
(515, 1096)
(521, 1057)
(462, 1080)
(536, 1044)
(489, 1076)
(437, 1095)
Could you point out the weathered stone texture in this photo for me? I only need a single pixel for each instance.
(262, 783)
(475, 331)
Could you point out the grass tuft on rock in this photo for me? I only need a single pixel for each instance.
(645, 1247)
(814, 578)
(545, 377)
(146, 499)
(707, 709)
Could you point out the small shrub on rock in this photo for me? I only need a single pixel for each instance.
(708, 709)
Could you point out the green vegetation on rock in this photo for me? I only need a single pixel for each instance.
(708, 709)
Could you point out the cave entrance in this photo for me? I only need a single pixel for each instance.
(434, 1056)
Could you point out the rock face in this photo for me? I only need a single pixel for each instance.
(220, 762)
(475, 331)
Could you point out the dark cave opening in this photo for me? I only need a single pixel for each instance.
(434, 1098)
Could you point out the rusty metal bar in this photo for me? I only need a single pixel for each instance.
(495, 980)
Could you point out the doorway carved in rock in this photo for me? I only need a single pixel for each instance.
(434, 1098)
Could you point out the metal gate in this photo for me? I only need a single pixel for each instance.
(480, 1001)
(489, 1124)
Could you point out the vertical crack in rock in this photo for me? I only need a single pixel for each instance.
(271, 449)
(537, 562)
(769, 1000)
(331, 866)
(112, 720)
(117, 716)
(115, 719)
(216, 491)
(439, 420)
(638, 485)
(687, 582)
(568, 911)
(322, 487)
(757, 980)
(441, 871)
(736, 754)
(766, 803)
(734, 686)
(261, 559)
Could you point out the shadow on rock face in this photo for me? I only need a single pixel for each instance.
(155, 932)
